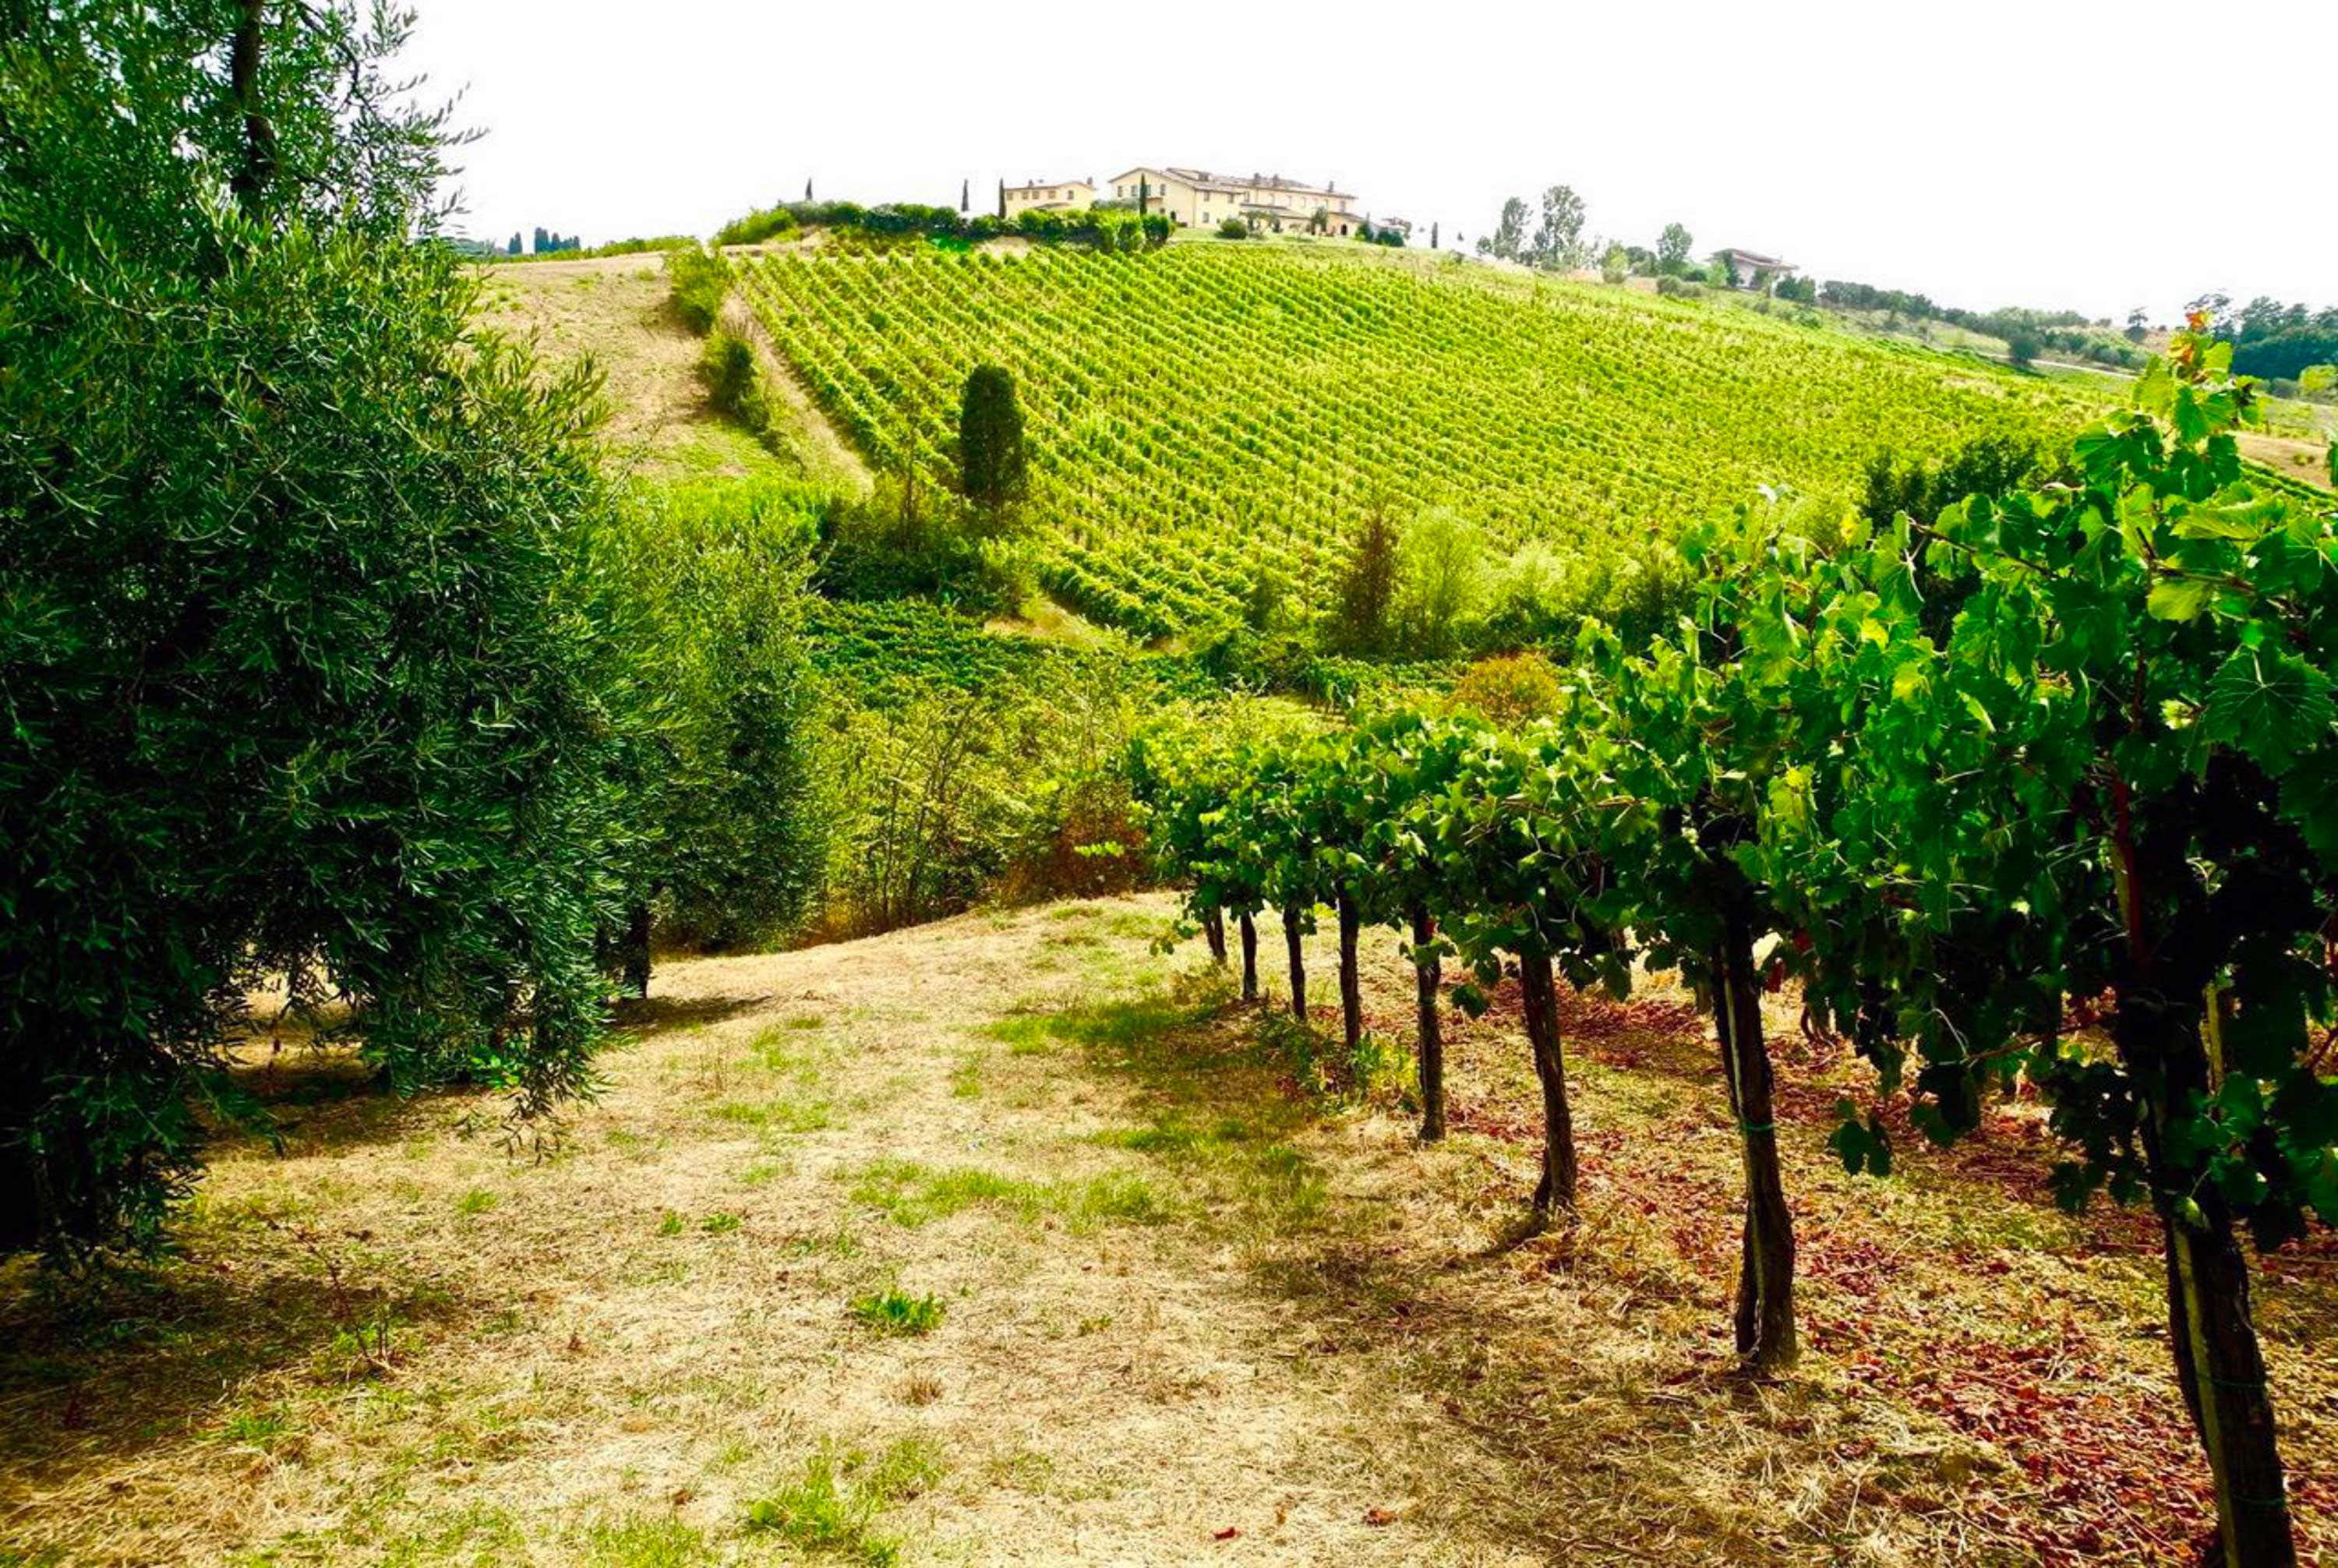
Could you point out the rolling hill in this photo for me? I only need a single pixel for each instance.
(1208, 413)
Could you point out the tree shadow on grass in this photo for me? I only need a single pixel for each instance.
(100, 1371)
(638, 1017)
(1453, 1339)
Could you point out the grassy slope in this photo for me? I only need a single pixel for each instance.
(1206, 413)
(1186, 1311)
(615, 310)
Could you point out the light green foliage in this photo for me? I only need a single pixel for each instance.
(1202, 414)
(2064, 749)
(834, 1508)
(700, 280)
(890, 1311)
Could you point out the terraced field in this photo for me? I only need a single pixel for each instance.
(1202, 414)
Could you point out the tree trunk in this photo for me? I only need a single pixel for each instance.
(1213, 929)
(1425, 970)
(1351, 990)
(258, 169)
(1298, 962)
(1554, 1193)
(1250, 955)
(1765, 1278)
(2219, 1366)
(636, 951)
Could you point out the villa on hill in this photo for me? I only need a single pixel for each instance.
(1752, 270)
(1198, 198)
(1048, 196)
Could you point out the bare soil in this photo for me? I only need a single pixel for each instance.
(1170, 1288)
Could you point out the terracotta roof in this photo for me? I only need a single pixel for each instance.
(1049, 185)
(1755, 258)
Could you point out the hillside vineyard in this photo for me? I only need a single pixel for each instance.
(1200, 413)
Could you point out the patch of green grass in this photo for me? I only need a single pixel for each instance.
(258, 1427)
(1025, 1034)
(478, 1534)
(761, 1174)
(834, 1508)
(802, 1021)
(1177, 1138)
(647, 1543)
(966, 1078)
(912, 1194)
(893, 1312)
(477, 1200)
(777, 1116)
(719, 1223)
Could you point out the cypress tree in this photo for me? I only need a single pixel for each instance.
(966, 195)
(990, 437)
(1002, 201)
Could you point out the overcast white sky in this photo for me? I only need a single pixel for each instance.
(2088, 154)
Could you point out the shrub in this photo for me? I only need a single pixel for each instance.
(709, 586)
(299, 678)
(1510, 688)
(1678, 289)
(733, 384)
(700, 280)
(1233, 229)
(763, 224)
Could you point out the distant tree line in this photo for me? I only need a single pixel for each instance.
(1103, 229)
(2269, 338)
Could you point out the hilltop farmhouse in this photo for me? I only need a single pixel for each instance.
(1753, 270)
(1198, 198)
(1048, 196)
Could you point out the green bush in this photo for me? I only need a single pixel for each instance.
(765, 223)
(734, 383)
(293, 570)
(1233, 229)
(700, 281)
(707, 587)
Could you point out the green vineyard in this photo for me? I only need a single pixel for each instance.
(1200, 415)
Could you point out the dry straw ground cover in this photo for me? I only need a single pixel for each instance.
(1006, 1241)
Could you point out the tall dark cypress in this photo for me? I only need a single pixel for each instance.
(990, 437)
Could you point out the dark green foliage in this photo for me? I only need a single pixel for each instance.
(700, 281)
(2274, 340)
(1367, 589)
(1673, 248)
(733, 384)
(706, 586)
(1233, 229)
(992, 464)
(291, 567)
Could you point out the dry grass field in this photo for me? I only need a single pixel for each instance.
(1010, 1241)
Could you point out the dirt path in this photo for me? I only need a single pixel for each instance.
(820, 447)
(1008, 1240)
(628, 1346)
